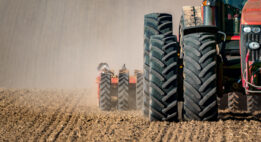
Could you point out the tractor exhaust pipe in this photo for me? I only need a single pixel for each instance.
(208, 12)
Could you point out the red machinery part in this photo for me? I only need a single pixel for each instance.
(249, 81)
(98, 80)
(251, 13)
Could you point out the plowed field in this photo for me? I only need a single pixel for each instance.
(62, 115)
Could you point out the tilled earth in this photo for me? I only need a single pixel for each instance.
(62, 115)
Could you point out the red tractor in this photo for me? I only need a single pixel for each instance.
(216, 52)
(121, 92)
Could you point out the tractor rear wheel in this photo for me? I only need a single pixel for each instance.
(154, 24)
(252, 103)
(233, 101)
(163, 78)
(139, 91)
(200, 99)
(123, 91)
(105, 91)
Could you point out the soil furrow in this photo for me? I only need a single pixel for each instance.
(33, 123)
(152, 132)
(105, 128)
(3, 97)
(176, 133)
(45, 127)
(61, 115)
(71, 130)
(54, 123)
(170, 132)
(10, 100)
(65, 124)
(65, 133)
(37, 113)
(47, 123)
(162, 131)
(75, 129)
(189, 128)
(16, 110)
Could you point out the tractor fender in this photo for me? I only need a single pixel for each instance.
(192, 22)
(201, 28)
(220, 36)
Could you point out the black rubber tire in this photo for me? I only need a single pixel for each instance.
(191, 17)
(233, 101)
(154, 24)
(200, 91)
(163, 78)
(123, 91)
(252, 103)
(139, 91)
(105, 103)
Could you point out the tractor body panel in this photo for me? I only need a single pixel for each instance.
(202, 28)
(250, 58)
(251, 13)
(250, 61)
(240, 62)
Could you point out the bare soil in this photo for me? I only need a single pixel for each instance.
(62, 115)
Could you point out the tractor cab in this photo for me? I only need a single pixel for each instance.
(227, 19)
(229, 15)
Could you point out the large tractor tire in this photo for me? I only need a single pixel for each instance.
(139, 91)
(105, 103)
(191, 17)
(200, 77)
(123, 91)
(154, 24)
(252, 103)
(163, 78)
(233, 101)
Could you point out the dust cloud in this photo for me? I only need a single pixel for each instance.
(50, 44)
(59, 43)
